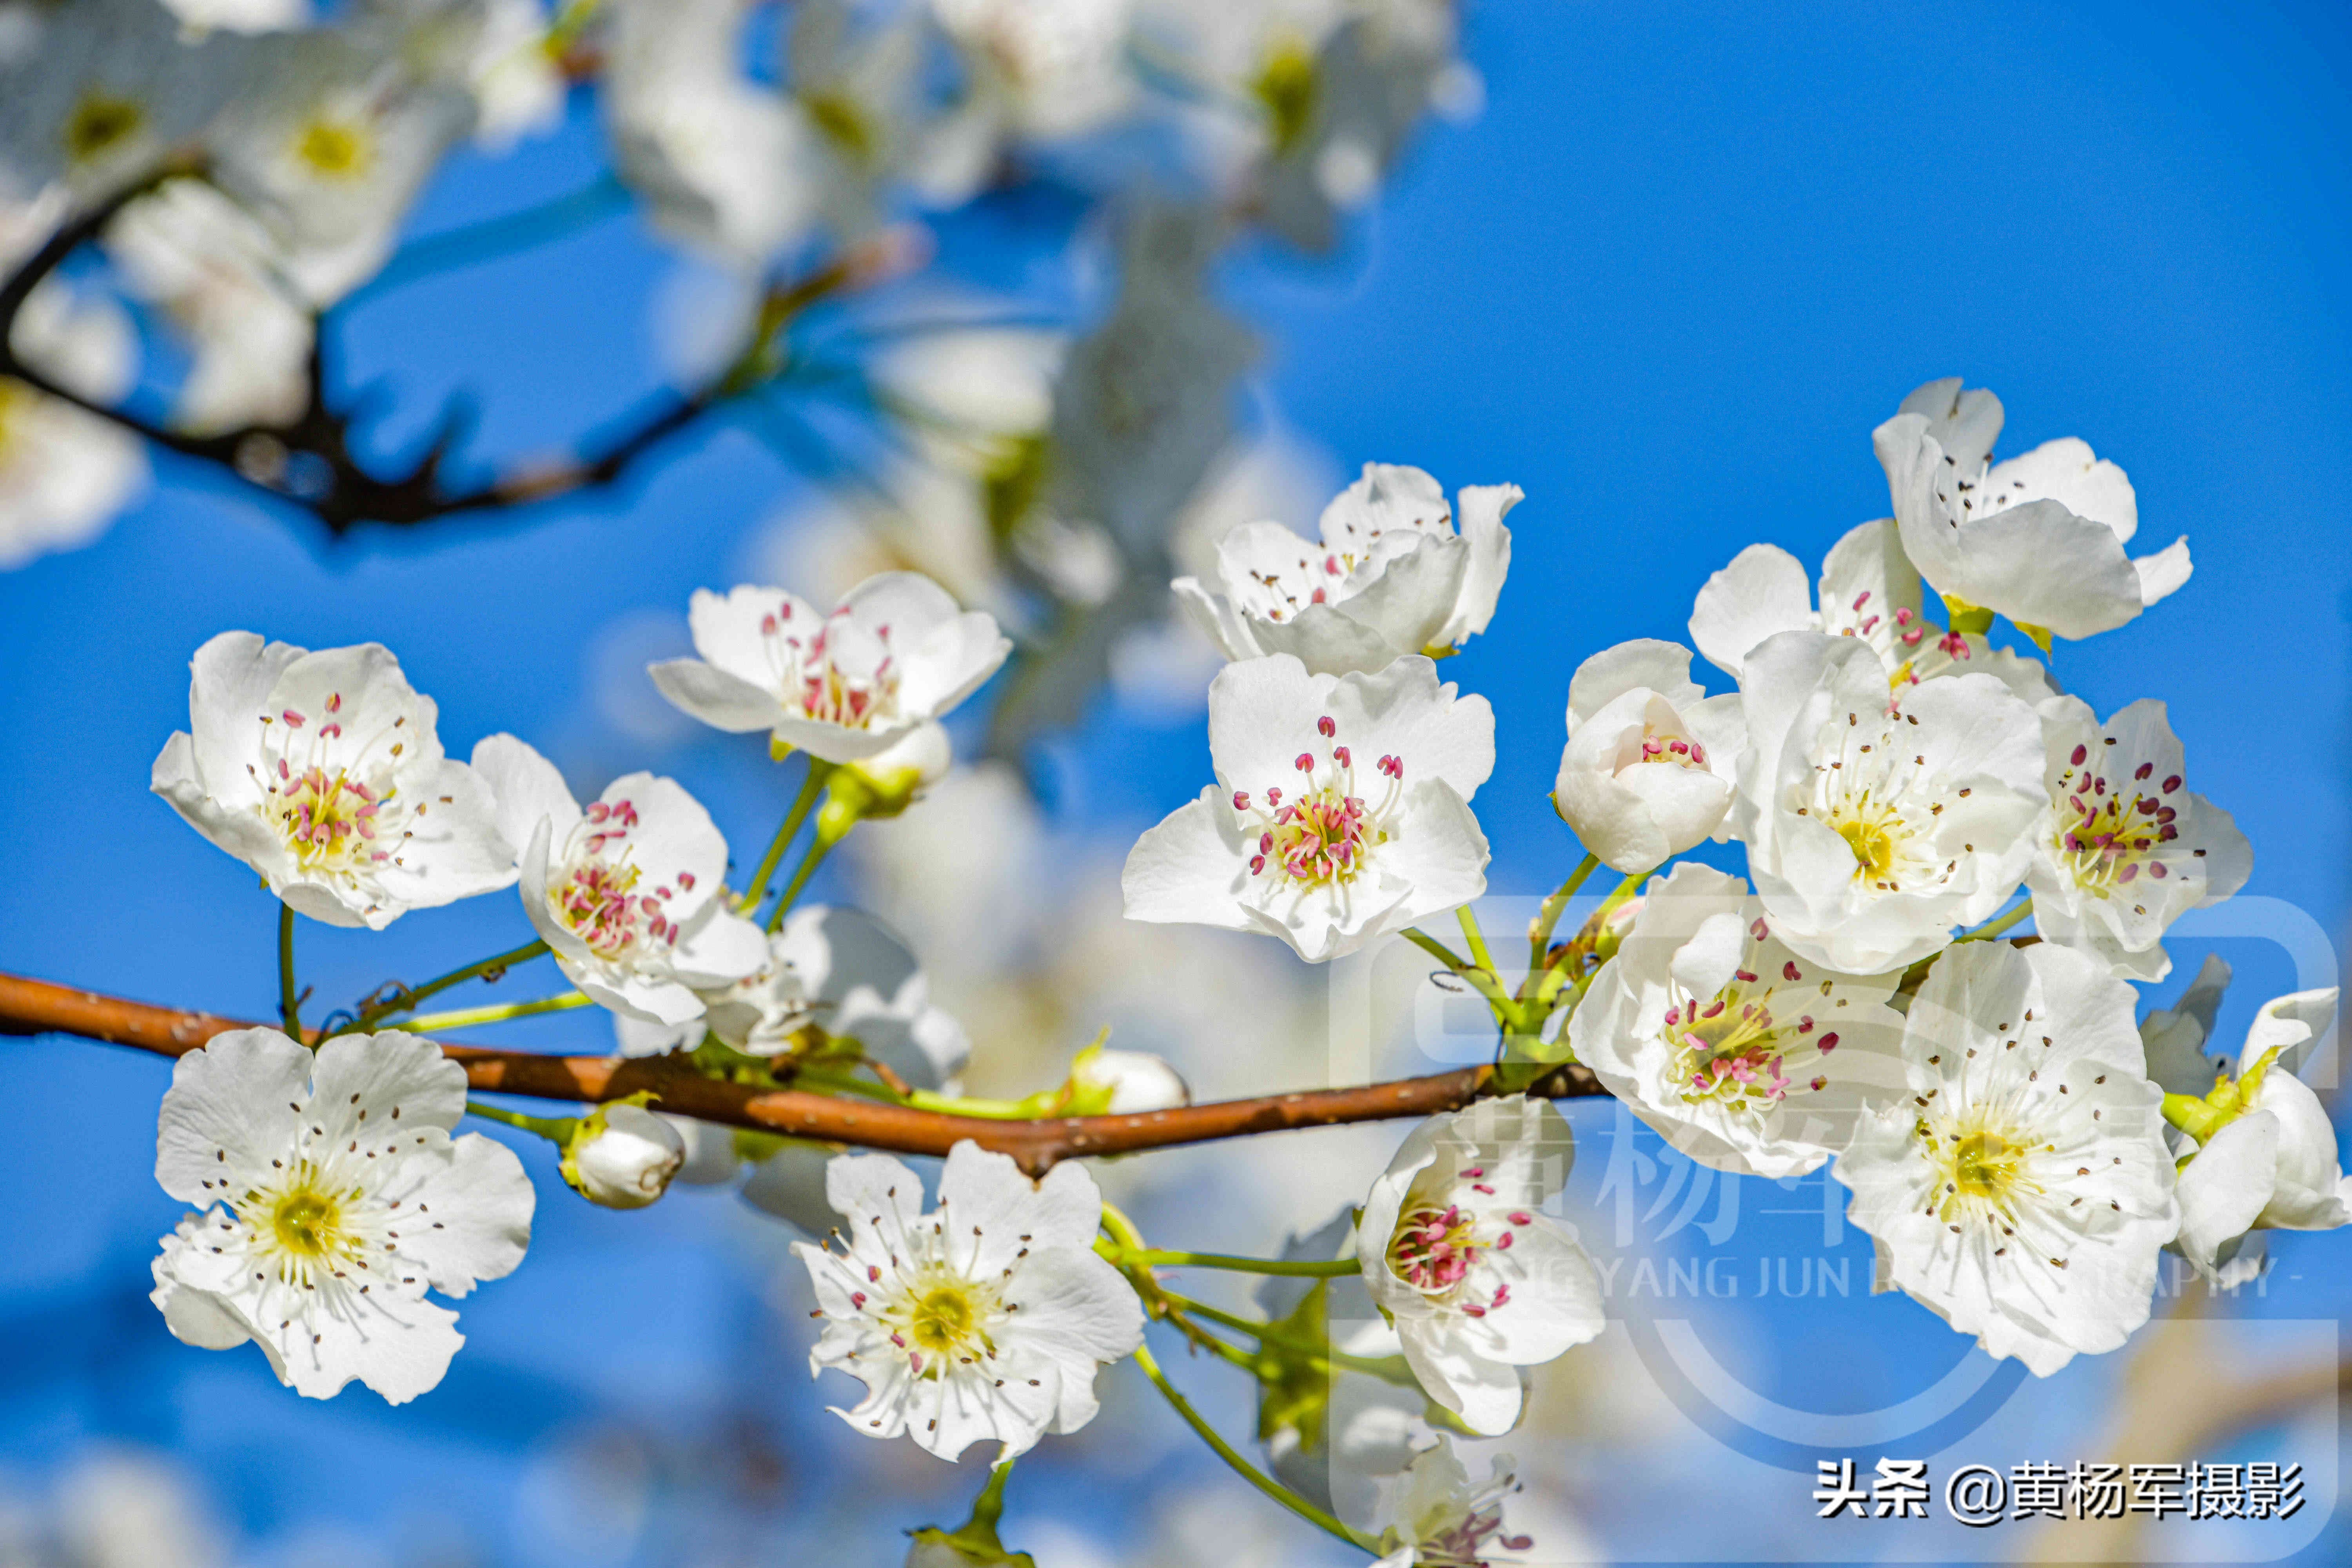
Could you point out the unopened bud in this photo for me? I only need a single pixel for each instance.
(622, 1156)
(1123, 1083)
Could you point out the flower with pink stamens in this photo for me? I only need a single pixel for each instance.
(1391, 577)
(841, 685)
(1454, 1248)
(1351, 853)
(627, 892)
(351, 819)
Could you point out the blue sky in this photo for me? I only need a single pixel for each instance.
(1667, 284)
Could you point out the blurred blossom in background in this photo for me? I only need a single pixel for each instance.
(1040, 298)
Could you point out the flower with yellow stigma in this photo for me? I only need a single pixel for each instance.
(985, 1319)
(333, 1198)
(2021, 1188)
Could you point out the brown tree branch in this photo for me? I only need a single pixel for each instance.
(29, 1007)
(308, 462)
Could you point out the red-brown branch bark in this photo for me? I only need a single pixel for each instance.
(30, 1006)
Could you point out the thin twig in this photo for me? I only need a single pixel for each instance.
(30, 1006)
(308, 462)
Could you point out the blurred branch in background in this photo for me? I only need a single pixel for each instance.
(2182, 1399)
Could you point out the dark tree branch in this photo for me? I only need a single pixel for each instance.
(306, 462)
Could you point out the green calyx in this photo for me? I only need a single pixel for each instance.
(1286, 89)
(1973, 619)
(2202, 1117)
(975, 1543)
(586, 1129)
(854, 792)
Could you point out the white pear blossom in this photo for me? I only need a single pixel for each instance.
(829, 975)
(1444, 1519)
(2124, 849)
(217, 274)
(1340, 812)
(2272, 1164)
(332, 1197)
(1742, 1055)
(93, 94)
(986, 1318)
(323, 772)
(1870, 590)
(331, 147)
(711, 151)
(857, 87)
(1388, 577)
(2039, 539)
(623, 1156)
(498, 51)
(64, 473)
(1033, 70)
(1871, 831)
(629, 892)
(1651, 759)
(2023, 1189)
(841, 685)
(1456, 1251)
(745, 169)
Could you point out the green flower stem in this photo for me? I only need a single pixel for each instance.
(803, 804)
(1555, 977)
(1993, 928)
(556, 1129)
(409, 998)
(467, 1017)
(1475, 938)
(289, 1002)
(922, 1100)
(1164, 1258)
(1391, 1368)
(1242, 1467)
(1480, 980)
(1540, 930)
(818, 848)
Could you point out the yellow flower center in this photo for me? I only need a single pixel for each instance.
(1286, 88)
(307, 1222)
(99, 124)
(940, 1318)
(334, 149)
(328, 819)
(836, 115)
(1983, 1172)
(1873, 843)
(1986, 1165)
(944, 1318)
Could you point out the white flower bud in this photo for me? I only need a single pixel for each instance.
(623, 1157)
(1127, 1082)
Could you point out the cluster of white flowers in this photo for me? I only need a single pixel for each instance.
(1894, 779)
(2019, 1147)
